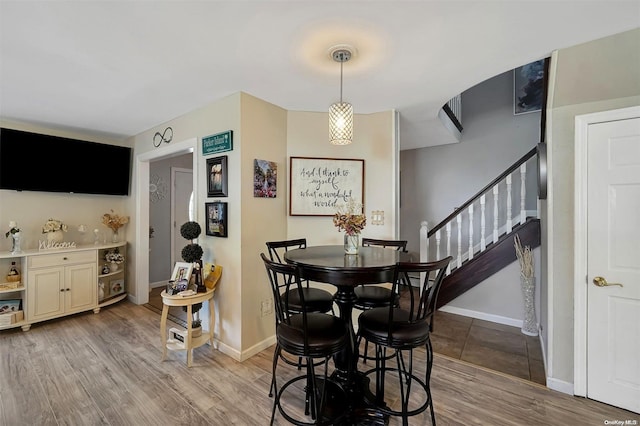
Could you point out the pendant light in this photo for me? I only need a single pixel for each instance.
(341, 113)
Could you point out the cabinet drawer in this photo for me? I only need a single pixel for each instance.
(61, 259)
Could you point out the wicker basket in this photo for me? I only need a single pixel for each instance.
(13, 278)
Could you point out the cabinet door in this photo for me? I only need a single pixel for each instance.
(81, 288)
(45, 293)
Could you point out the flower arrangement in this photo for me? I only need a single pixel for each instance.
(114, 221)
(13, 229)
(53, 225)
(349, 219)
(525, 258)
(114, 256)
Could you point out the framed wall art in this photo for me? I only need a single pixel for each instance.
(217, 176)
(319, 186)
(265, 179)
(528, 87)
(216, 217)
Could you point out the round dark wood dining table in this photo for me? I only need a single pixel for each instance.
(330, 264)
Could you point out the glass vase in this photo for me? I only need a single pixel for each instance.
(529, 324)
(16, 240)
(351, 243)
(114, 236)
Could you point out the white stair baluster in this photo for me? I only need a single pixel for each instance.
(523, 191)
(470, 231)
(496, 193)
(459, 222)
(483, 242)
(424, 242)
(438, 244)
(509, 214)
(448, 232)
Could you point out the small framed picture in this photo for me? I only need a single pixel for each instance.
(217, 176)
(216, 216)
(182, 272)
(265, 178)
(116, 287)
(10, 306)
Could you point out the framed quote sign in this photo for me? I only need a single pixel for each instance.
(319, 186)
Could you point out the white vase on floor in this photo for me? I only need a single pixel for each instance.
(529, 324)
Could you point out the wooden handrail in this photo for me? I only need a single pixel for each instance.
(471, 200)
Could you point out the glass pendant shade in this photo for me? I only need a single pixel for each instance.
(341, 123)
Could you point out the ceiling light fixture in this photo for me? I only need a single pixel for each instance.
(341, 113)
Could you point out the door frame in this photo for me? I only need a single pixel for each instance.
(142, 207)
(582, 123)
(175, 230)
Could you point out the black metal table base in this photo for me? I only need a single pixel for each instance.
(362, 408)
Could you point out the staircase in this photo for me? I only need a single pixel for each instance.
(478, 254)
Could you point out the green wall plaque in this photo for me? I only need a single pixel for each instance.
(220, 142)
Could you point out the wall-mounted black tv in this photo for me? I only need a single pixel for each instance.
(36, 162)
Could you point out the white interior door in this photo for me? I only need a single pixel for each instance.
(613, 253)
(181, 199)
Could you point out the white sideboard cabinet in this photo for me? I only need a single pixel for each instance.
(61, 282)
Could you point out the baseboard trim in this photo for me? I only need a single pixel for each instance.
(229, 351)
(560, 385)
(158, 284)
(482, 316)
(246, 354)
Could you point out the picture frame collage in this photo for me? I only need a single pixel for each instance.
(217, 182)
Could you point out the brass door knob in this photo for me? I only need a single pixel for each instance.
(601, 282)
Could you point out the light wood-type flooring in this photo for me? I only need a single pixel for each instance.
(495, 346)
(105, 369)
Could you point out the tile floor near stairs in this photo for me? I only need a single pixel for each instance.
(491, 345)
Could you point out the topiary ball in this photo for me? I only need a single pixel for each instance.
(191, 252)
(190, 230)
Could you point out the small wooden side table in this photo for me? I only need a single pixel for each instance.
(190, 342)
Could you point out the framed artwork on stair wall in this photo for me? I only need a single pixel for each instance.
(528, 87)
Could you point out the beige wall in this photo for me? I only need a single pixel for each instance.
(264, 137)
(597, 76)
(308, 136)
(217, 117)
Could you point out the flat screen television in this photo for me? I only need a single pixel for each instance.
(36, 162)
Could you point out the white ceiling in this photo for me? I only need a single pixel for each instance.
(117, 68)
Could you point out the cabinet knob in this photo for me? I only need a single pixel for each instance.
(61, 290)
(65, 258)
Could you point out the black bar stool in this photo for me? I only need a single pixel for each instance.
(309, 335)
(375, 296)
(401, 329)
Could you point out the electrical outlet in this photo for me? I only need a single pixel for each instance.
(266, 307)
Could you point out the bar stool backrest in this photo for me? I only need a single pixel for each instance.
(277, 249)
(400, 245)
(421, 307)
